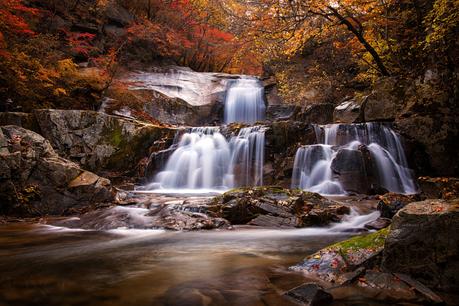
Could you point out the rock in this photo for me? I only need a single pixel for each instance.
(265, 206)
(25, 120)
(432, 141)
(378, 224)
(311, 294)
(424, 244)
(35, 181)
(118, 15)
(280, 112)
(351, 170)
(384, 102)
(282, 139)
(330, 263)
(316, 113)
(439, 187)
(97, 141)
(349, 111)
(391, 203)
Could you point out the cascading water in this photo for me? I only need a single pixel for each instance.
(245, 101)
(205, 160)
(313, 167)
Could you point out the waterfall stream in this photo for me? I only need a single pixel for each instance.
(206, 160)
(370, 152)
(245, 101)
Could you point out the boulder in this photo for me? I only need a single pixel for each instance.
(331, 263)
(118, 15)
(390, 203)
(315, 113)
(439, 187)
(278, 207)
(35, 181)
(311, 294)
(385, 101)
(349, 111)
(424, 244)
(349, 165)
(25, 120)
(100, 142)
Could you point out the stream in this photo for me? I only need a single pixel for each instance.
(49, 265)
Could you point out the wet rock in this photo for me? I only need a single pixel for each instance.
(329, 264)
(378, 224)
(282, 139)
(36, 181)
(391, 203)
(311, 294)
(439, 187)
(277, 206)
(97, 141)
(349, 165)
(349, 111)
(424, 244)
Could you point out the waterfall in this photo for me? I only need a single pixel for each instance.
(385, 164)
(205, 160)
(245, 101)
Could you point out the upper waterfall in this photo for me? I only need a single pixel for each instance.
(245, 101)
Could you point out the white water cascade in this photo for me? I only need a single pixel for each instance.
(313, 169)
(245, 101)
(205, 160)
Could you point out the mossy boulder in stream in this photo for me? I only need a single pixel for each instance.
(277, 207)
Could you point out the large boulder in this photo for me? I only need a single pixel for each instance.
(100, 142)
(423, 243)
(25, 120)
(439, 187)
(321, 113)
(390, 203)
(331, 263)
(349, 165)
(385, 101)
(277, 207)
(349, 111)
(35, 181)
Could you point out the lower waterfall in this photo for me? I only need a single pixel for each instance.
(369, 153)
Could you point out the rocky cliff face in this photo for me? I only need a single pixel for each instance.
(423, 110)
(35, 181)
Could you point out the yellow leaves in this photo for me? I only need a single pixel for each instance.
(60, 92)
(67, 67)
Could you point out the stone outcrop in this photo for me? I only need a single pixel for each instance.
(35, 181)
(423, 243)
(101, 142)
(439, 187)
(349, 111)
(390, 203)
(276, 207)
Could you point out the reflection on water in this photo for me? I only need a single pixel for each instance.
(43, 265)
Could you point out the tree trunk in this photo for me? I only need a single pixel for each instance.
(362, 40)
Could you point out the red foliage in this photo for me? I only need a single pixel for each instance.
(80, 43)
(13, 23)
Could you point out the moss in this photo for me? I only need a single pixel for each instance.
(371, 241)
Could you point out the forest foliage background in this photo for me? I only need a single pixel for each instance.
(65, 53)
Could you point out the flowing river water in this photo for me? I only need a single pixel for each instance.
(48, 265)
